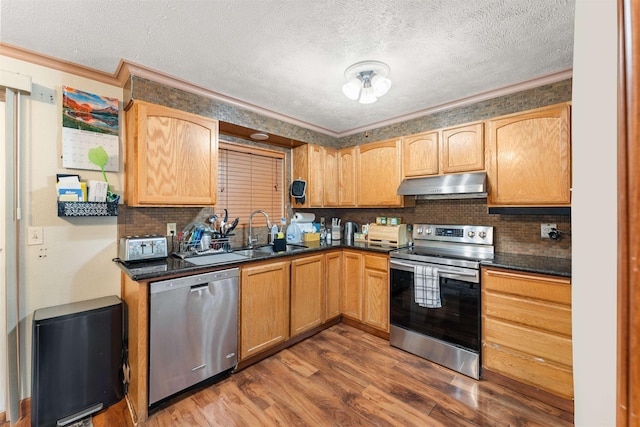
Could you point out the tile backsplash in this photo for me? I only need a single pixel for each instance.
(519, 234)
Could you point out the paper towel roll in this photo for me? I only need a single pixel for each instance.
(303, 217)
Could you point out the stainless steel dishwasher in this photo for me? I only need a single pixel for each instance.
(193, 336)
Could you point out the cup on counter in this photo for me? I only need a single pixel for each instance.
(205, 242)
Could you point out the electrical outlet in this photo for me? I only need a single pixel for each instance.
(171, 229)
(34, 236)
(545, 229)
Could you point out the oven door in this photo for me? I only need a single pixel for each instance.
(457, 322)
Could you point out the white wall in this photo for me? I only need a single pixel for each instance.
(594, 212)
(77, 265)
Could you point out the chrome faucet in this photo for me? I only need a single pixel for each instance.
(251, 239)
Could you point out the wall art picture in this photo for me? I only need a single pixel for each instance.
(89, 121)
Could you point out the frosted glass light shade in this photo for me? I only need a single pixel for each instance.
(367, 96)
(380, 85)
(351, 89)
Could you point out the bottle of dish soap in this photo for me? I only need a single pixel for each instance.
(293, 233)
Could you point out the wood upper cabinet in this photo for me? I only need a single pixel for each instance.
(352, 266)
(307, 293)
(308, 164)
(333, 284)
(379, 173)
(376, 291)
(331, 196)
(529, 158)
(171, 157)
(347, 177)
(463, 149)
(420, 154)
(526, 329)
(264, 307)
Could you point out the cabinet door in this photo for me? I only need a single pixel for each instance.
(264, 307)
(420, 154)
(307, 163)
(307, 293)
(376, 292)
(172, 157)
(331, 180)
(347, 177)
(529, 158)
(333, 280)
(463, 148)
(352, 265)
(379, 173)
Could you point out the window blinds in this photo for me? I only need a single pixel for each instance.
(249, 180)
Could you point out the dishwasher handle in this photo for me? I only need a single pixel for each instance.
(196, 288)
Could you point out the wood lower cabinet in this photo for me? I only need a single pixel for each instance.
(526, 329)
(376, 291)
(332, 284)
(365, 288)
(171, 157)
(352, 266)
(307, 293)
(529, 158)
(264, 307)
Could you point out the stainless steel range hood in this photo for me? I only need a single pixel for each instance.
(456, 186)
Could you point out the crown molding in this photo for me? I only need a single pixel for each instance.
(126, 69)
(495, 93)
(57, 64)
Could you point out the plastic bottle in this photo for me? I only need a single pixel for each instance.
(293, 233)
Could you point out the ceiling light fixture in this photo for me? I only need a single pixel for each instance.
(259, 136)
(366, 81)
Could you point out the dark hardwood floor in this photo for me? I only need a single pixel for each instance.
(345, 377)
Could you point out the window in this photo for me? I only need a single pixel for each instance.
(250, 178)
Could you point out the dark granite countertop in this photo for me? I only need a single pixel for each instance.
(172, 266)
(531, 264)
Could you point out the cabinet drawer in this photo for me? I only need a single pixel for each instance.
(528, 370)
(547, 288)
(544, 345)
(538, 314)
(376, 262)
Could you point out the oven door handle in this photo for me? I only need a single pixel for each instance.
(458, 273)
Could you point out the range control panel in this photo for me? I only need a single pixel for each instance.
(474, 234)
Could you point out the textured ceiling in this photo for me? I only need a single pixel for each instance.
(289, 56)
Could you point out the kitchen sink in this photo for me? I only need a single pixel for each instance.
(267, 250)
(289, 248)
(220, 258)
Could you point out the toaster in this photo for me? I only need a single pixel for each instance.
(136, 248)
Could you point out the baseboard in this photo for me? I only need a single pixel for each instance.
(565, 405)
(365, 328)
(25, 410)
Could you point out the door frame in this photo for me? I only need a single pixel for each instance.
(628, 351)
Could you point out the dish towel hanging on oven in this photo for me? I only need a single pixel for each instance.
(427, 286)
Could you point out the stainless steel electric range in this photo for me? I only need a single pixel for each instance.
(435, 294)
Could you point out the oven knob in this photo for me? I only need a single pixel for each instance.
(471, 233)
(428, 231)
(482, 234)
(420, 230)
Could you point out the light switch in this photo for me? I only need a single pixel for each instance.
(35, 236)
